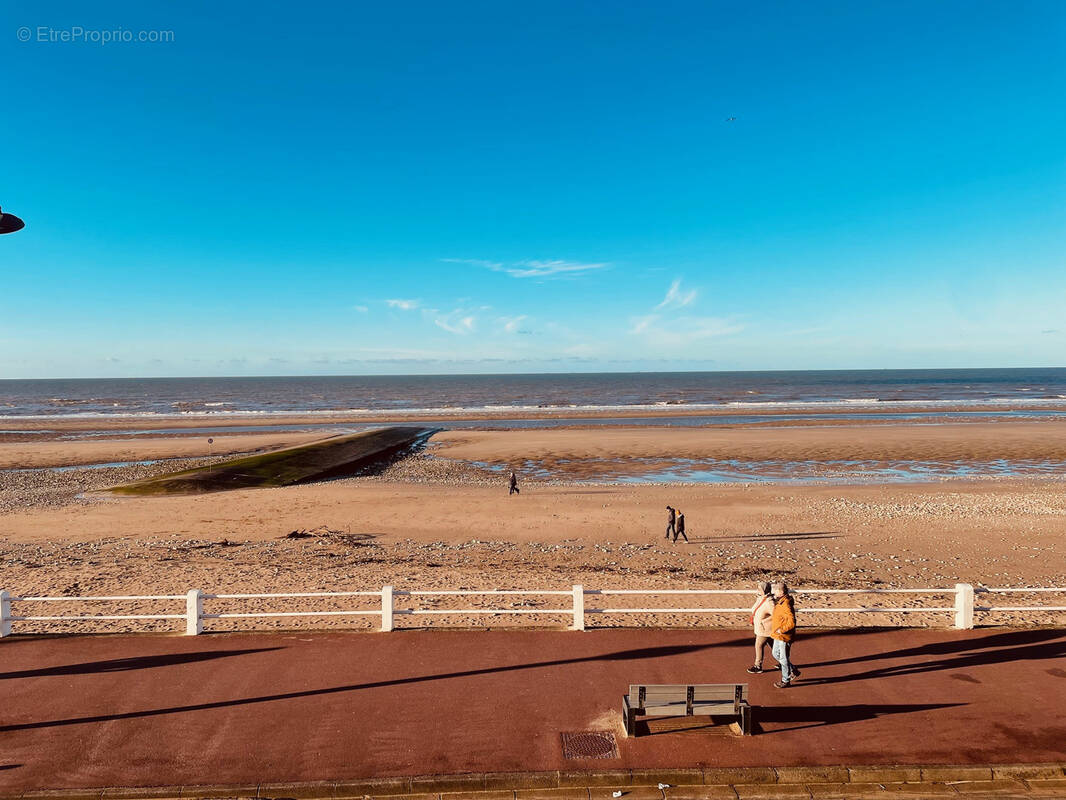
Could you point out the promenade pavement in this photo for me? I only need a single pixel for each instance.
(148, 710)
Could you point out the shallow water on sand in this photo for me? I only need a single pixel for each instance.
(711, 471)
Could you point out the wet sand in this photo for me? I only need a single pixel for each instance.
(574, 453)
(52, 452)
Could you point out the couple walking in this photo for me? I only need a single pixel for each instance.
(774, 618)
(675, 523)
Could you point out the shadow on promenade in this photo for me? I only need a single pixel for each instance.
(124, 664)
(820, 716)
(1019, 639)
(1035, 645)
(621, 655)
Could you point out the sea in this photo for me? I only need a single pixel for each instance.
(347, 404)
(880, 392)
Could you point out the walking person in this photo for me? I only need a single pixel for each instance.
(671, 519)
(783, 631)
(761, 614)
(680, 529)
(514, 484)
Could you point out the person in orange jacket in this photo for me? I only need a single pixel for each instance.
(782, 631)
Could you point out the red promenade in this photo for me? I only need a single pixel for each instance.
(248, 708)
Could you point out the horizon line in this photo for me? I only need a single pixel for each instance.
(540, 374)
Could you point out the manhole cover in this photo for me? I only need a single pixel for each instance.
(589, 744)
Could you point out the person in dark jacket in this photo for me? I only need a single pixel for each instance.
(671, 519)
(514, 484)
(680, 529)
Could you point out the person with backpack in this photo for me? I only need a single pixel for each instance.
(761, 614)
(783, 631)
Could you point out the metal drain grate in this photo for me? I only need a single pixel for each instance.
(589, 744)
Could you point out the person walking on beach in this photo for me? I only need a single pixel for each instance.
(514, 484)
(761, 614)
(783, 631)
(671, 519)
(679, 530)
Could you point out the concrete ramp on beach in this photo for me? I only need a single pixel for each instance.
(330, 458)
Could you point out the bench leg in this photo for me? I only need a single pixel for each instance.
(745, 719)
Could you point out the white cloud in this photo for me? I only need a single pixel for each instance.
(674, 331)
(533, 268)
(510, 324)
(459, 321)
(676, 298)
(543, 269)
(641, 324)
(403, 305)
(474, 262)
(361, 309)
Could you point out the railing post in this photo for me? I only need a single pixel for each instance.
(579, 607)
(5, 614)
(386, 608)
(194, 612)
(963, 606)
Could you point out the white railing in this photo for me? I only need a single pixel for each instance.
(962, 604)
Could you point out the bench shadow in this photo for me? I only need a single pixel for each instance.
(125, 664)
(680, 726)
(802, 717)
(621, 655)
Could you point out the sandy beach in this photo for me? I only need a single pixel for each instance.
(443, 518)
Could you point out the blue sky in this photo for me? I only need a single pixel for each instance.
(554, 186)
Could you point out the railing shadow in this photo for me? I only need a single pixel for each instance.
(621, 655)
(1008, 639)
(125, 664)
(1026, 651)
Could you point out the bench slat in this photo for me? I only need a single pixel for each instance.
(654, 694)
(698, 709)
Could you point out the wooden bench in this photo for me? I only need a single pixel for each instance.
(688, 700)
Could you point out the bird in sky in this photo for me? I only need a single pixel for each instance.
(731, 119)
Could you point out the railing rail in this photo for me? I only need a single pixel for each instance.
(963, 605)
(1017, 590)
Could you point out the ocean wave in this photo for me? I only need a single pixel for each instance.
(998, 403)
